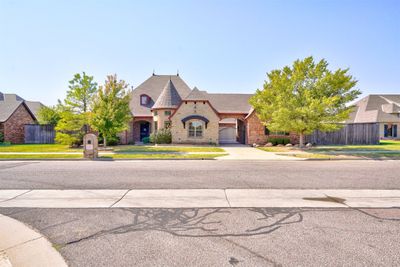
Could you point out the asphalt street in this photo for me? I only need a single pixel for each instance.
(200, 174)
(220, 236)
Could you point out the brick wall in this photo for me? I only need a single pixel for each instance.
(256, 132)
(14, 130)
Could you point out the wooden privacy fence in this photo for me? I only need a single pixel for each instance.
(39, 134)
(350, 134)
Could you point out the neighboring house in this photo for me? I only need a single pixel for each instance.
(15, 113)
(193, 116)
(382, 109)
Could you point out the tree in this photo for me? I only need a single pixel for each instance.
(305, 97)
(49, 115)
(81, 91)
(70, 128)
(111, 112)
(75, 111)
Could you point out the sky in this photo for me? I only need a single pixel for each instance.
(217, 45)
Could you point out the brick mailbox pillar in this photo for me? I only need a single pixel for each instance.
(90, 146)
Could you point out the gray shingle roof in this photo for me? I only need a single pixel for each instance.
(153, 87)
(10, 102)
(223, 103)
(376, 108)
(196, 94)
(169, 97)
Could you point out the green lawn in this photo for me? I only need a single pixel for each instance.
(36, 148)
(111, 156)
(41, 156)
(122, 148)
(385, 150)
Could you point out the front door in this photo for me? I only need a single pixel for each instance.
(144, 130)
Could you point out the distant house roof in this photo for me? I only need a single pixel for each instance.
(376, 108)
(153, 87)
(10, 102)
(169, 97)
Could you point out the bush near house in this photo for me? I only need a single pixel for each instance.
(162, 136)
(278, 140)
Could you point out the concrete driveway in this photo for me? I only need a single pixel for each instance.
(244, 152)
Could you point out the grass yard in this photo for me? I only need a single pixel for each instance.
(116, 152)
(207, 149)
(387, 149)
(37, 148)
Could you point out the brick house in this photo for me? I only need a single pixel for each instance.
(193, 116)
(15, 113)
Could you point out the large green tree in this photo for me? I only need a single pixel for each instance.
(75, 110)
(49, 115)
(305, 97)
(111, 112)
(81, 91)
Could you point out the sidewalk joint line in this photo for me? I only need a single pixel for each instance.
(30, 190)
(227, 200)
(127, 191)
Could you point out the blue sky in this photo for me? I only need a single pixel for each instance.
(218, 46)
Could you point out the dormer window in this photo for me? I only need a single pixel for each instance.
(144, 100)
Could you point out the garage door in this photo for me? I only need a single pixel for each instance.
(227, 135)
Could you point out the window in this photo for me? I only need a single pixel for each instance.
(144, 100)
(167, 112)
(195, 129)
(167, 124)
(390, 130)
(155, 126)
(155, 112)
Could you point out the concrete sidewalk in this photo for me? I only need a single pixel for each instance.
(20, 246)
(200, 198)
(243, 152)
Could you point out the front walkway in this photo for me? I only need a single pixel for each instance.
(243, 152)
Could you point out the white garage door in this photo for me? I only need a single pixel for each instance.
(227, 135)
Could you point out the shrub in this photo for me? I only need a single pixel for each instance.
(162, 136)
(278, 140)
(1, 138)
(146, 140)
(111, 141)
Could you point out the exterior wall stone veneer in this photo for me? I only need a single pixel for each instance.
(188, 108)
(14, 127)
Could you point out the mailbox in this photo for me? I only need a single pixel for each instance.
(90, 146)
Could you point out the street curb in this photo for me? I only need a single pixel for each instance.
(25, 247)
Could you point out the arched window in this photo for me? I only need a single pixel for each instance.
(196, 129)
(144, 100)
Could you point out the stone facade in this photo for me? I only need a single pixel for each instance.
(161, 117)
(180, 133)
(14, 130)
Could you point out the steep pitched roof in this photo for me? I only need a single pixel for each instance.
(196, 94)
(376, 108)
(153, 87)
(223, 103)
(10, 102)
(169, 97)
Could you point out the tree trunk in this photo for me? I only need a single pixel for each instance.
(104, 142)
(301, 140)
